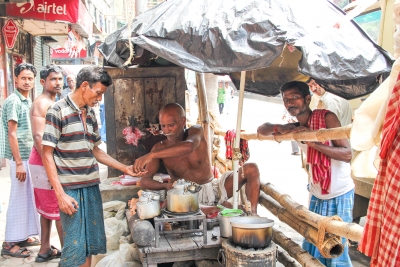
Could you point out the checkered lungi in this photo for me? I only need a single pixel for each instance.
(341, 206)
(84, 233)
(381, 236)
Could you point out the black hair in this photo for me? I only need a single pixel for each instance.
(49, 69)
(92, 75)
(301, 86)
(24, 66)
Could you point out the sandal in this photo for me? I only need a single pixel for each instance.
(18, 254)
(26, 243)
(49, 255)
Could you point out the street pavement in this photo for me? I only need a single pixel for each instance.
(274, 160)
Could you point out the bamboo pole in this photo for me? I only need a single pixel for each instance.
(331, 246)
(203, 110)
(236, 149)
(351, 231)
(294, 250)
(283, 257)
(320, 135)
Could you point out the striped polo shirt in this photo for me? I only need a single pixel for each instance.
(16, 108)
(76, 165)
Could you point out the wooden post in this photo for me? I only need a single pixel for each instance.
(351, 231)
(294, 250)
(331, 246)
(203, 110)
(317, 136)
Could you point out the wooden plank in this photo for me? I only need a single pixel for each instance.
(181, 243)
(187, 255)
(163, 246)
(210, 243)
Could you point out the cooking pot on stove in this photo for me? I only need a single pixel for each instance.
(183, 197)
(148, 206)
(251, 232)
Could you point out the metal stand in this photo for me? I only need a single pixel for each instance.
(159, 221)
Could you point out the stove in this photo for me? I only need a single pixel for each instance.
(189, 219)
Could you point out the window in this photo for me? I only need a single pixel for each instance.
(370, 23)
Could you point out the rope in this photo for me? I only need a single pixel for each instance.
(322, 224)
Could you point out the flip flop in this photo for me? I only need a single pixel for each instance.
(59, 251)
(26, 243)
(48, 256)
(17, 254)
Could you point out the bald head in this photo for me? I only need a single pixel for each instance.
(173, 108)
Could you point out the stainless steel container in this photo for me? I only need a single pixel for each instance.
(184, 197)
(225, 227)
(251, 232)
(148, 206)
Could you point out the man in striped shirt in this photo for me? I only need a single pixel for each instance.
(70, 154)
(22, 220)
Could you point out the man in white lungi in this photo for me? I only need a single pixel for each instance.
(22, 222)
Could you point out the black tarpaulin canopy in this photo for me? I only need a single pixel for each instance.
(228, 36)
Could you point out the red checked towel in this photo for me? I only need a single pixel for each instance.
(320, 163)
(380, 239)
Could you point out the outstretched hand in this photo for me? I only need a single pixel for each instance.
(129, 171)
(67, 204)
(141, 162)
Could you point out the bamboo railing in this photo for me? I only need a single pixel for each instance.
(331, 247)
(320, 135)
(351, 231)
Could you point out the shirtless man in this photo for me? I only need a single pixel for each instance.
(185, 155)
(51, 79)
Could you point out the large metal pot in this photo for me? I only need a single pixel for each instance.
(148, 206)
(184, 197)
(251, 232)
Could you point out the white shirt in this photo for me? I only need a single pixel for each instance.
(341, 181)
(340, 106)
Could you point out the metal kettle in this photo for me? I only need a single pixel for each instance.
(184, 197)
(148, 206)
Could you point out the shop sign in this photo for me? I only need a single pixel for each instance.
(66, 53)
(49, 10)
(10, 32)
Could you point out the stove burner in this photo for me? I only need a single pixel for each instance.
(170, 213)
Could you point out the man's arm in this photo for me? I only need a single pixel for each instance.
(180, 149)
(66, 203)
(268, 128)
(13, 140)
(106, 159)
(341, 148)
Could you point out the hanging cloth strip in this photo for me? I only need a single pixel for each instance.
(229, 142)
(320, 163)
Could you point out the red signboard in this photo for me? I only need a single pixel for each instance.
(66, 53)
(72, 11)
(49, 10)
(10, 32)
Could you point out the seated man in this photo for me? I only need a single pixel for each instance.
(185, 155)
(331, 185)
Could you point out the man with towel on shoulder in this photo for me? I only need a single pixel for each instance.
(51, 79)
(185, 155)
(331, 185)
(70, 156)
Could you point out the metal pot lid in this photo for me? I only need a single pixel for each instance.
(251, 222)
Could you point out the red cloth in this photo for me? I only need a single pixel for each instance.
(229, 142)
(320, 163)
(381, 236)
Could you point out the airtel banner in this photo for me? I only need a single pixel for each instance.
(73, 11)
(65, 53)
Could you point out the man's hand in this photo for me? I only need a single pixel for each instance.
(67, 204)
(300, 129)
(129, 170)
(141, 162)
(21, 173)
